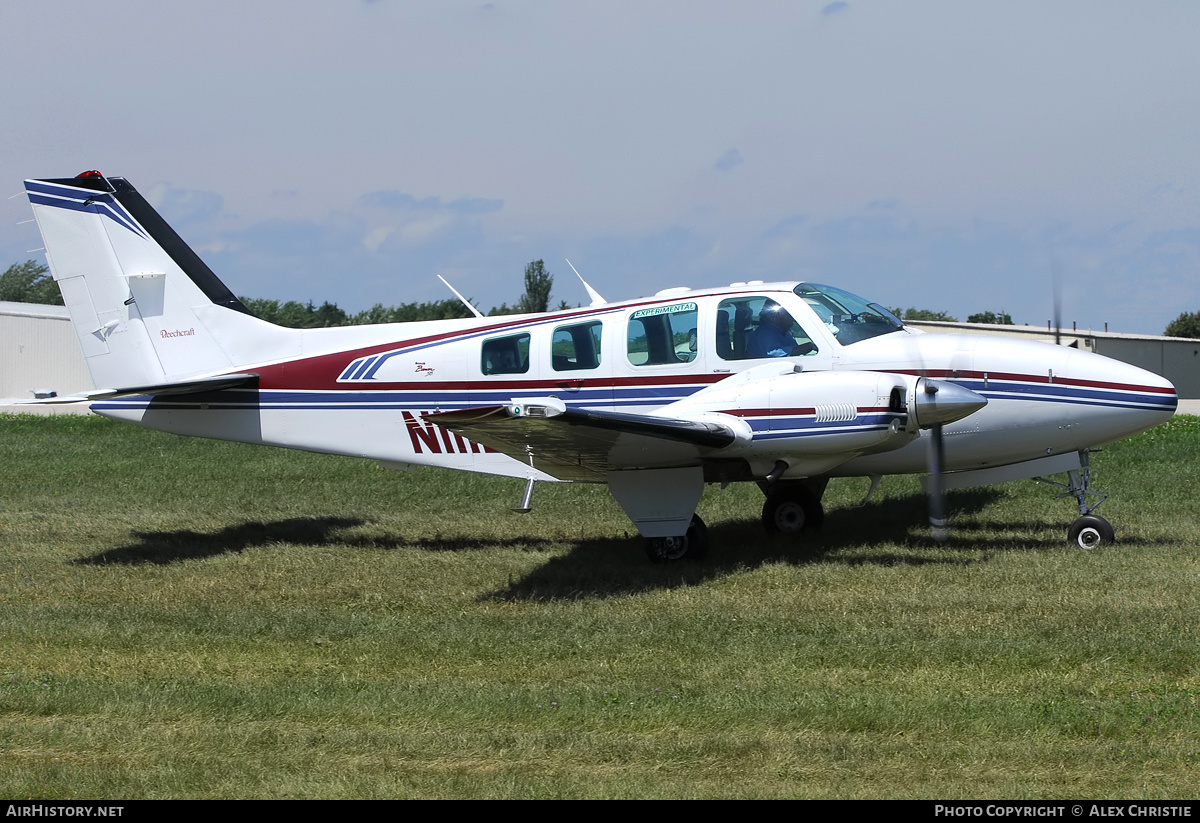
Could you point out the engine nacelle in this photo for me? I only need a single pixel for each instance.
(813, 421)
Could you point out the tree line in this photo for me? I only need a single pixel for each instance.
(1001, 319)
(30, 282)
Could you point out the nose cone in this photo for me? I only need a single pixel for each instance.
(1116, 399)
(937, 402)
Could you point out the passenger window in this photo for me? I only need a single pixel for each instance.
(506, 355)
(754, 327)
(576, 347)
(662, 334)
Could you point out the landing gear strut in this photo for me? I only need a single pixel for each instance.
(1089, 531)
(792, 508)
(690, 546)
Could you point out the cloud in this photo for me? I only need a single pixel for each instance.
(398, 201)
(787, 227)
(729, 160)
(835, 8)
(182, 207)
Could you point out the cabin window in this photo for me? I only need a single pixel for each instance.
(754, 327)
(506, 355)
(663, 334)
(576, 347)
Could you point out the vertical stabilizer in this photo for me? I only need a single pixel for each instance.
(145, 307)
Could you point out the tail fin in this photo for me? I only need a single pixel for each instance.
(145, 307)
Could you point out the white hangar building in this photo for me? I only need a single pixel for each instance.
(38, 350)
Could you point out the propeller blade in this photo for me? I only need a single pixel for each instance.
(934, 404)
(937, 488)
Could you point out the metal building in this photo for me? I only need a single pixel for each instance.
(1175, 358)
(38, 350)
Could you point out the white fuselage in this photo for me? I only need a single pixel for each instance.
(361, 391)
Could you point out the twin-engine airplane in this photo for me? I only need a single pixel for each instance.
(782, 384)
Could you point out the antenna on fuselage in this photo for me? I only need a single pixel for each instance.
(474, 310)
(597, 300)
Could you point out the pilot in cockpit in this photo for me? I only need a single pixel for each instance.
(773, 337)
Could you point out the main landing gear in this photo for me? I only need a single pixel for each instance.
(1089, 531)
(691, 546)
(793, 507)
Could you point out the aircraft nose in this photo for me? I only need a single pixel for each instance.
(1114, 399)
(937, 402)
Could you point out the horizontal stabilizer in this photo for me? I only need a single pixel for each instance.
(197, 386)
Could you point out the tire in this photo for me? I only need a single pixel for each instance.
(1091, 532)
(691, 546)
(791, 509)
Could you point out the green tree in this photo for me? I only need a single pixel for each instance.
(295, 315)
(1185, 325)
(536, 298)
(262, 308)
(924, 314)
(29, 282)
(538, 283)
(1002, 319)
(410, 312)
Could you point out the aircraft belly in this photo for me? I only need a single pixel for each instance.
(388, 435)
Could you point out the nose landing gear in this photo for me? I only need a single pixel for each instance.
(1089, 531)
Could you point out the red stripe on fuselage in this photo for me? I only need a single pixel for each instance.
(957, 374)
(795, 412)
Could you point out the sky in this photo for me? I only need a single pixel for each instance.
(952, 156)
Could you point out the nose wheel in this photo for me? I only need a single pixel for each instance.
(1091, 532)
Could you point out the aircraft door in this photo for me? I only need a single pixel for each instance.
(577, 364)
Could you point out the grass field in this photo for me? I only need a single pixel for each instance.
(184, 618)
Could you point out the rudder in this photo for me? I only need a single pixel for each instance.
(145, 307)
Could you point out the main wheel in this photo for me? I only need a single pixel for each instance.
(1090, 532)
(792, 509)
(691, 546)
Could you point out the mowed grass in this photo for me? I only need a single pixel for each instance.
(187, 618)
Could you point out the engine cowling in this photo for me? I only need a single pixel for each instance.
(815, 420)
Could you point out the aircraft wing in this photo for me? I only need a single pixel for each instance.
(584, 445)
(196, 386)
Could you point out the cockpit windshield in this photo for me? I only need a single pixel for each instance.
(849, 317)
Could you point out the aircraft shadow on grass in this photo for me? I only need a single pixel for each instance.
(614, 566)
(610, 567)
(166, 547)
